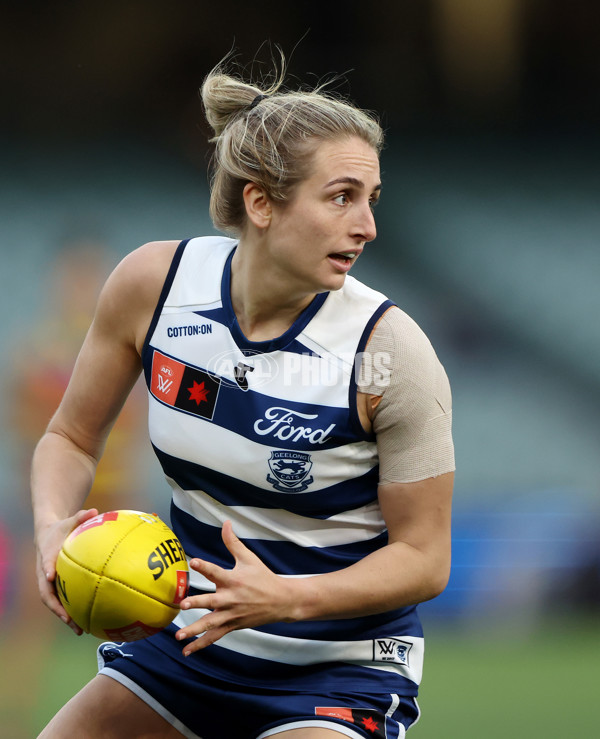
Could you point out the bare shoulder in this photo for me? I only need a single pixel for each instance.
(146, 266)
(131, 292)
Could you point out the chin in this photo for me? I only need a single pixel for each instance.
(328, 282)
(337, 282)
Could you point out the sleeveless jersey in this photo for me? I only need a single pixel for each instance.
(267, 434)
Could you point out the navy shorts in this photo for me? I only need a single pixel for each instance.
(209, 708)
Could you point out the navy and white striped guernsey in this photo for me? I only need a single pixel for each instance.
(267, 434)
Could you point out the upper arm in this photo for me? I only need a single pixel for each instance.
(410, 404)
(412, 424)
(109, 361)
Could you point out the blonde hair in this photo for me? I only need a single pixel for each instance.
(268, 136)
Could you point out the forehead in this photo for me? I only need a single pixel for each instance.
(347, 157)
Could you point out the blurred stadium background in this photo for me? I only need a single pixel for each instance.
(488, 237)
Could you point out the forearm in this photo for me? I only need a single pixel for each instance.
(395, 576)
(251, 595)
(61, 477)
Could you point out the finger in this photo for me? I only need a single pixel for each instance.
(211, 571)
(208, 638)
(51, 601)
(84, 515)
(49, 569)
(74, 627)
(205, 633)
(207, 601)
(206, 623)
(235, 546)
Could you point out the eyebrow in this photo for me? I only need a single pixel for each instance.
(350, 181)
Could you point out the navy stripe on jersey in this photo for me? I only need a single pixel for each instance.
(218, 315)
(353, 389)
(231, 491)
(296, 347)
(161, 301)
(266, 420)
(400, 621)
(246, 670)
(285, 558)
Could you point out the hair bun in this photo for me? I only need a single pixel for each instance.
(224, 97)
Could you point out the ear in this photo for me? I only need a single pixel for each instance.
(257, 204)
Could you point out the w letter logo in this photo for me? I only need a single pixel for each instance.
(164, 385)
(391, 650)
(166, 377)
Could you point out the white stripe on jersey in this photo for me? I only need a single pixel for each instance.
(292, 651)
(276, 524)
(227, 447)
(174, 310)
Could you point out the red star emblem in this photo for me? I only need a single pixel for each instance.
(370, 724)
(198, 392)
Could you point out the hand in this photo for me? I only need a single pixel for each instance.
(49, 542)
(248, 595)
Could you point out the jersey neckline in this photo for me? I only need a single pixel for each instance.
(270, 345)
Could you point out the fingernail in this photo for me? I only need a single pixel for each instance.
(187, 652)
(64, 619)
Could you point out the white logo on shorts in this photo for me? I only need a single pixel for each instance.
(391, 650)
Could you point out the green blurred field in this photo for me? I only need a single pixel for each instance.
(484, 686)
(540, 686)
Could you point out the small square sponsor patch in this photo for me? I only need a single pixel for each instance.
(166, 377)
(391, 650)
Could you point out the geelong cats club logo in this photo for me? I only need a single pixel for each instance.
(290, 471)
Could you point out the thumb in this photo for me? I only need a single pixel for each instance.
(83, 516)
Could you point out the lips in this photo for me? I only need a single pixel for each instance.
(347, 256)
(343, 260)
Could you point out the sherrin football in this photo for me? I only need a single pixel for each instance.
(121, 575)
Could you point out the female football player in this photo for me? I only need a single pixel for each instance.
(302, 421)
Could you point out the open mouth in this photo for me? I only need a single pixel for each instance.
(344, 259)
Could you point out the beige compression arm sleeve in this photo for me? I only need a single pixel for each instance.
(413, 420)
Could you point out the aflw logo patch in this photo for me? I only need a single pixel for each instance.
(391, 650)
(181, 386)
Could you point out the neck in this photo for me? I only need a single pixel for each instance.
(263, 303)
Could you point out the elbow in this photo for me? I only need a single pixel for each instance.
(439, 585)
(436, 582)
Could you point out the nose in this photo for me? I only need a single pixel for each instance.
(366, 229)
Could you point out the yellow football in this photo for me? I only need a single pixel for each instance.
(121, 575)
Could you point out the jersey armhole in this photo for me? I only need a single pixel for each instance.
(161, 300)
(353, 385)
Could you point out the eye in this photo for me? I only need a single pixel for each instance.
(341, 199)
(373, 202)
